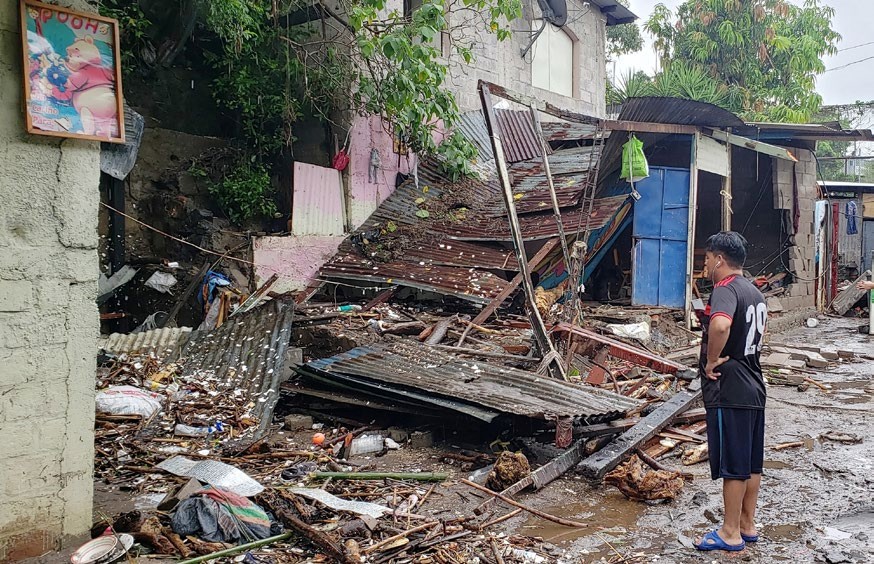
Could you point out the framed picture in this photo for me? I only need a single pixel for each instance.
(72, 73)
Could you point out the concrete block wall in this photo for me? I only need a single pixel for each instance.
(48, 320)
(802, 255)
(501, 62)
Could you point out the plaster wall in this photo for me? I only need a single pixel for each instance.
(48, 320)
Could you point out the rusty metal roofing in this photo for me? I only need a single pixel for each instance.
(158, 343)
(776, 132)
(518, 137)
(533, 227)
(403, 366)
(566, 131)
(470, 284)
(244, 358)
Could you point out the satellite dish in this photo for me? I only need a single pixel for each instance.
(554, 11)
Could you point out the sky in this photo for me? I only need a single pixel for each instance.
(854, 20)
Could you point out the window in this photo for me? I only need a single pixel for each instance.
(552, 62)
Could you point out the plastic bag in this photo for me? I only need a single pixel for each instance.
(634, 165)
(128, 400)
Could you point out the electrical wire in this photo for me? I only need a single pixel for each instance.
(856, 46)
(849, 64)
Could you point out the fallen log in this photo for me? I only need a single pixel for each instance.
(402, 535)
(656, 465)
(440, 330)
(537, 512)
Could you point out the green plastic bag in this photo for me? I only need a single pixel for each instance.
(634, 165)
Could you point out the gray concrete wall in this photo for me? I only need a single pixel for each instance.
(802, 252)
(501, 62)
(48, 320)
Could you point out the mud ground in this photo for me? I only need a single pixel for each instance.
(817, 501)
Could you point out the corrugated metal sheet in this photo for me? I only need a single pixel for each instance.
(677, 111)
(616, 13)
(803, 132)
(159, 342)
(318, 205)
(518, 137)
(849, 246)
(532, 227)
(246, 355)
(473, 126)
(470, 284)
(566, 131)
(403, 366)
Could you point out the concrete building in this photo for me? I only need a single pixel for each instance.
(48, 320)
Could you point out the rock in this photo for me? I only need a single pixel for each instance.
(296, 422)
(700, 498)
(711, 516)
(422, 439)
(509, 469)
(835, 556)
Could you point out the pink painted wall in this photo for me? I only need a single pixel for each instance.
(296, 259)
(367, 134)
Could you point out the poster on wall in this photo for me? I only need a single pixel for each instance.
(72, 73)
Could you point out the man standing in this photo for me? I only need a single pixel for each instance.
(733, 389)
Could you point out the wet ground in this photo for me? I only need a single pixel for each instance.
(816, 503)
(817, 500)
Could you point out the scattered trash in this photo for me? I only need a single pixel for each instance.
(638, 331)
(214, 473)
(337, 504)
(219, 515)
(161, 281)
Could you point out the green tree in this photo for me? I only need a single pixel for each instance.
(623, 39)
(764, 54)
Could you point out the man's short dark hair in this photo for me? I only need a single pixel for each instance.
(729, 244)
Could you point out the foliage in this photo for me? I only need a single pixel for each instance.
(243, 191)
(763, 56)
(133, 26)
(623, 39)
(850, 115)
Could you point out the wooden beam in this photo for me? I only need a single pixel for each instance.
(532, 102)
(690, 241)
(192, 286)
(648, 127)
(539, 329)
(556, 211)
(747, 143)
(726, 194)
(609, 457)
(514, 283)
(623, 351)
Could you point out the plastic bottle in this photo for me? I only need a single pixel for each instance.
(188, 431)
(349, 307)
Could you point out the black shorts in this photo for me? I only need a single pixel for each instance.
(736, 442)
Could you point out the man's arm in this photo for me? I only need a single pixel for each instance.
(717, 336)
(865, 285)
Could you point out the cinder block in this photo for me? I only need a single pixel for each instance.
(15, 295)
(296, 422)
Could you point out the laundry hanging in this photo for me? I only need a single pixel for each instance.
(851, 213)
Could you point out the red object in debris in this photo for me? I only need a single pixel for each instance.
(318, 439)
(341, 160)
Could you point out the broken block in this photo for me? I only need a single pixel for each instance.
(398, 435)
(296, 422)
(422, 439)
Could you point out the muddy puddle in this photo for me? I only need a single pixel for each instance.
(610, 514)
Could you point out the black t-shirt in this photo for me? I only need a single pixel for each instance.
(741, 384)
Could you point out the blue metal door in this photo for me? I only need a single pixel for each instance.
(661, 232)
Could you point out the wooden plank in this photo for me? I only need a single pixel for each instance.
(608, 458)
(690, 243)
(846, 299)
(514, 283)
(757, 146)
(544, 344)
(192, 286)
(625, 352)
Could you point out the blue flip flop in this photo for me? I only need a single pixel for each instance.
(749, 538)
(712, 541)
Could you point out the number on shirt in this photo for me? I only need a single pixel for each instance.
(756, 317)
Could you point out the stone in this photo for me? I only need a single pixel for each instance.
(422, 439)
(774, 305)
(297, 422)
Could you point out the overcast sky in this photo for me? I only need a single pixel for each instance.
(854, 20)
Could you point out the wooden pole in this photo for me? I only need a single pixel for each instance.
(539, 329)
(556, 212)
(690, 243)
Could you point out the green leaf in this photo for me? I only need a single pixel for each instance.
(423, 214)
